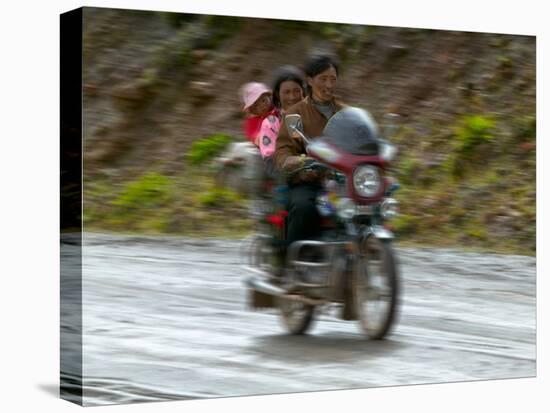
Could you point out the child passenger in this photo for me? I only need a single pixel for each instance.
(261, 126)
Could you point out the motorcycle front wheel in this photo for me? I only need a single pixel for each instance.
(376, 287)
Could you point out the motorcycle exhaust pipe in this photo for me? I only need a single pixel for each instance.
(270, 289)
(264, 287)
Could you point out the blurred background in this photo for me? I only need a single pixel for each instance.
(161, 102)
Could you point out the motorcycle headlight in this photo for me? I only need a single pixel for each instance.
(389, 208)
(366, 180)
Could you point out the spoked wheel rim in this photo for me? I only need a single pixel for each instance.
(376, 287)
(295, 315)
(262, 254)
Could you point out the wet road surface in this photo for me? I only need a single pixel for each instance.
(167, 318)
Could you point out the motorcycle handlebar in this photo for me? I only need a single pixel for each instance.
(311, 165)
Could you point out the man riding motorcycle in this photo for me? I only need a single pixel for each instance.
(315, 110)
(344, 259)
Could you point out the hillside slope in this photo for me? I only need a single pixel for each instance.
(155, 82)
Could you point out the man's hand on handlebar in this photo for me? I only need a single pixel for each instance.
(303, 168)
(293, 162)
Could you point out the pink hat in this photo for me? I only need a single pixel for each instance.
(250, 92)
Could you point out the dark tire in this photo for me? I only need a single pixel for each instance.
(376, 287)
(296, 317)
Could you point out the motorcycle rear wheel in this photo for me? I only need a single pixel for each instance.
(297, 317)
(376, 287)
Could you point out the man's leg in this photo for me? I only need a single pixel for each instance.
(303, 217)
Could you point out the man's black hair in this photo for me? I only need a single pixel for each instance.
(318, 63)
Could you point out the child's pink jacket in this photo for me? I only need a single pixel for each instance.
(267, 136)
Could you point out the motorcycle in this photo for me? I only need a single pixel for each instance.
(352, 266)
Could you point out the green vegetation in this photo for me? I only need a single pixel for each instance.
(205, 149)
(150, 190)
(472, 136)
(478, 198)
(138, 205)
(491, 208)
(408, 169)
(191, 204)
(218, 197)
(473, 131)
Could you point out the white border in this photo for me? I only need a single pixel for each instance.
(29, 208)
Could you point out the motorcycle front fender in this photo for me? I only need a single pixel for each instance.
(379, 232)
